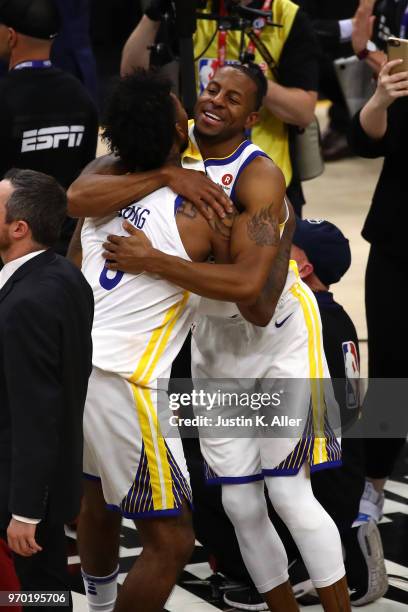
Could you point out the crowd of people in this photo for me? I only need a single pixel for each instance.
(179, 262)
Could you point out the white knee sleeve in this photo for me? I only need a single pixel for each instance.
(260, 545)
(313, 530)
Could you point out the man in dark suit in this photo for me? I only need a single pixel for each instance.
(46, 312)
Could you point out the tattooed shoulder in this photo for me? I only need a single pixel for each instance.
(223, 226)
(187, 209)
(220, 226)
(263, 227)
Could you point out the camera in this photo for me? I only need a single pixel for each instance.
(179, 19)
(178, 24)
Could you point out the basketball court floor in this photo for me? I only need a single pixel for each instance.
(341, 195)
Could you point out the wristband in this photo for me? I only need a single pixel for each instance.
(363, 54)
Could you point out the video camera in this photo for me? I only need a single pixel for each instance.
(179, 22)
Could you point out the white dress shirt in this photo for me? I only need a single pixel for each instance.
(13, 266)
(346, 29)
(5, 274)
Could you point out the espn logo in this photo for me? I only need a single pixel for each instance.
(52, 137)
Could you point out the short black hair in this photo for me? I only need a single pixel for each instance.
(140, 120)
(40, 201)
(255, 73)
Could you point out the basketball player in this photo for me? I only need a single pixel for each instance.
(224, 111)
(140, 325)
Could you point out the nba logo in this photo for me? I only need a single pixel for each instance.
(206, 71)
(352, 370)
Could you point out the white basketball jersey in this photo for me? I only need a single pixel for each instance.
(140, 321)
(226, 172)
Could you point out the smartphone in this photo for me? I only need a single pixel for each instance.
(398, 49)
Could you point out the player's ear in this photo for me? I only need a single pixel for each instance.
(181, 133)
(12, 38)
(251, 120)
(305, 269)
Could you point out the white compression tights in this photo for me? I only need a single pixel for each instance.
(311, 527)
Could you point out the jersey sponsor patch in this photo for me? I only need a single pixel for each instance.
(352, 371)
(52, 138)
(227, 179)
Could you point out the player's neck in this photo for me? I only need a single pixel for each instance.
(212, 148)
(174, 157)
(28, 55)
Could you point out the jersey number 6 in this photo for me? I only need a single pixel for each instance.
(110, 283)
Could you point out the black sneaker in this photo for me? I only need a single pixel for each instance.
(245, 599)
(302, 586)
(365, 568)
(335, 146)
(212, 588)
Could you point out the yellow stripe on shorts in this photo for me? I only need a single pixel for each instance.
(316, 372)
(320, 448)
(164, 466)
(148, 427)
(159, 468)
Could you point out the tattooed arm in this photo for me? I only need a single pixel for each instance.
(262, 311)
(261, 193)
(202, 238)
(253, 246)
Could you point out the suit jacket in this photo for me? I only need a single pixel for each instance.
(46, 313)
(321, 9)
(325, 18)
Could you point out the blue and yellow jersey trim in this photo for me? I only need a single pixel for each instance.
(159, 466)
(139, 502)
(326, 449)
(192, 151)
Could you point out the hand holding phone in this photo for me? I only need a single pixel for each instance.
(391, 85)
(398, 49)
